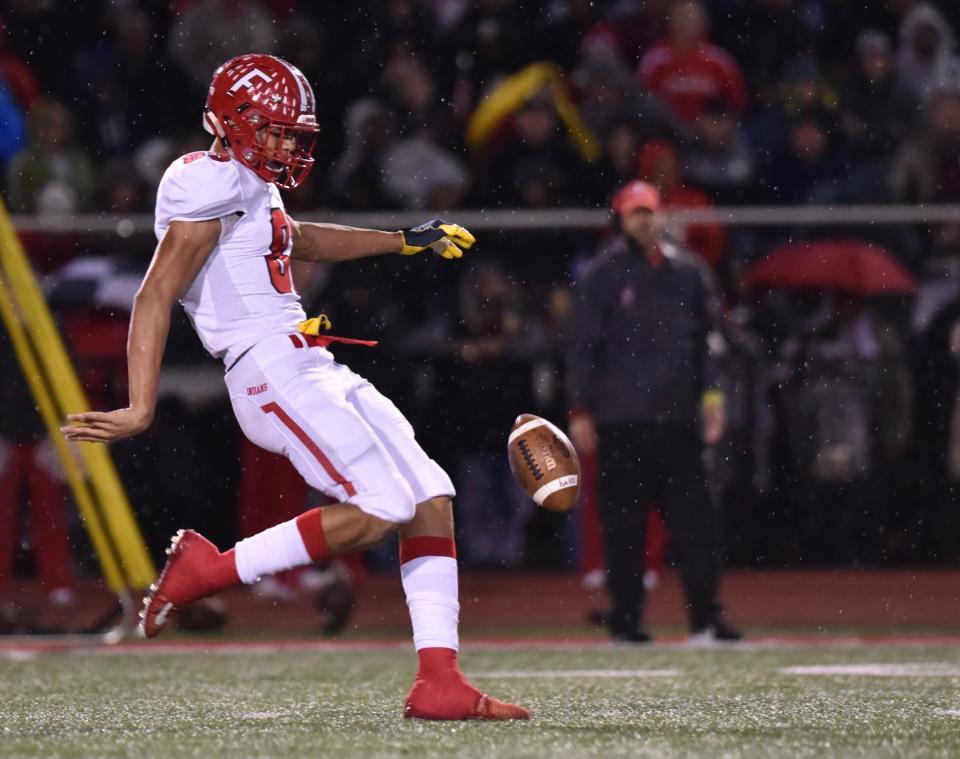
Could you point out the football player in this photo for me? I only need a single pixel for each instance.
(225, 244)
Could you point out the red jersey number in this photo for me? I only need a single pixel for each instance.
(278, 262)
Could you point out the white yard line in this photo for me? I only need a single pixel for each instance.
(17, 654)
(262, 715)
(23, 648)
(923, 669)
(575, 673)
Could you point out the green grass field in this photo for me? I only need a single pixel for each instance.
(586, 702)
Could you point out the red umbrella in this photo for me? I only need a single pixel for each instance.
(849, 265)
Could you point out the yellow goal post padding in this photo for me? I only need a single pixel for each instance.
(46, 405)
(43, 357)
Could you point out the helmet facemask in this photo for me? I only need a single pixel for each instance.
(283, 153)
(277, 152)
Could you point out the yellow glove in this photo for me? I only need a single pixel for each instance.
(314, 325)
(444, 239)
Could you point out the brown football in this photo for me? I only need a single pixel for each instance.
(544, 463)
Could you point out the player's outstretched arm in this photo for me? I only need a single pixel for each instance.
(177, 261)
(332, 242)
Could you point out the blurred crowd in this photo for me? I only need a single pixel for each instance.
(843, 436)
(448, 103)
(842, 440)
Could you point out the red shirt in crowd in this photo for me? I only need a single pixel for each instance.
(688, 78)
(709, 241)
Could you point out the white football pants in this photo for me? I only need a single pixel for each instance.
(343, 436)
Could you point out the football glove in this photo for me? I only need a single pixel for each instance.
(444, 239)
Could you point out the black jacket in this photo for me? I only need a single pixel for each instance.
(637, 339)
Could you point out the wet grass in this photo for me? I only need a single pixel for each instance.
(729, 702)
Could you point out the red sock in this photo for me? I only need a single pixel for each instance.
(426, 545)
(436, 661)
(310, 524)
(223, 570)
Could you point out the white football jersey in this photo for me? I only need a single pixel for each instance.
(244, 292)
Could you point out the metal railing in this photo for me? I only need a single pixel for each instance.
(555, 218)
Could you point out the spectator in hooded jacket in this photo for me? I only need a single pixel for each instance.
(927, 56)
(876, 110)
(875, 114)
(927, 167)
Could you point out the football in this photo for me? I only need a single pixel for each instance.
(544, 463)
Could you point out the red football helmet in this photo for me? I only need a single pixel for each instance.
(263, 110)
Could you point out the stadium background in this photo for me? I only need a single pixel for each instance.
(844, 441)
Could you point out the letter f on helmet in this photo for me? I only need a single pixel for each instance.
(246, 80)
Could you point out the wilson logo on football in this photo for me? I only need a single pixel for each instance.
(548, 460)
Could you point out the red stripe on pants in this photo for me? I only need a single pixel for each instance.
(296, 429)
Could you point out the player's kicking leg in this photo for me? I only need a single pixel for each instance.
(428, 567)
(196, 569)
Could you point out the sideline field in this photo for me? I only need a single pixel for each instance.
(849, 698)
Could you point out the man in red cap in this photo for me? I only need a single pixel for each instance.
(642, 394)
(635, 206)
